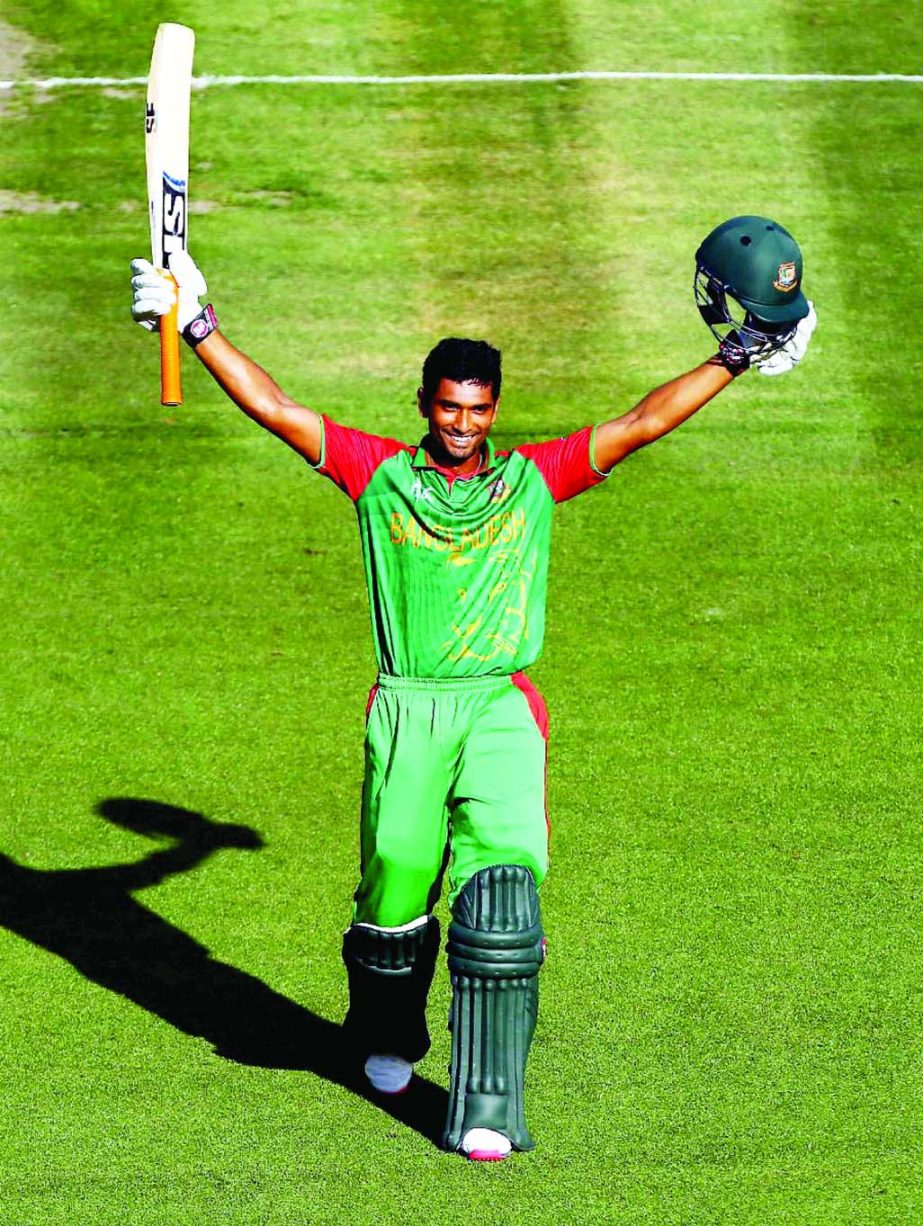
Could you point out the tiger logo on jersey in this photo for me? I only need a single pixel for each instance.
(499, 490)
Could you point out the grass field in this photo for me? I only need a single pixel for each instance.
(731, 1010)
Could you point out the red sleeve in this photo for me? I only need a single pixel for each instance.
(565, 463)
(350, 457)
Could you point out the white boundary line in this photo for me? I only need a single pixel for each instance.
(485, 78)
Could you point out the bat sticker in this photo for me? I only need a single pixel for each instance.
(174, 215)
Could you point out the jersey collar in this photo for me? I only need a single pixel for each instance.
(422, 461)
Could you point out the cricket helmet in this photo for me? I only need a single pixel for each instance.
(753, 264)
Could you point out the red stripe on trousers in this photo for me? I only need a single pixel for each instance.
(535, 701)
(540, 715)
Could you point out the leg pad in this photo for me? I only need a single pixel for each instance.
(495, 948)
(389, 979)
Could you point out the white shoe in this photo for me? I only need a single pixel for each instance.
(485, 1145)
(388, 1074)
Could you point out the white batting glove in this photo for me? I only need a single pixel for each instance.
(791, 353)
(153, 295)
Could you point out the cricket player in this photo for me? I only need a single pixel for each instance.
(455, 537)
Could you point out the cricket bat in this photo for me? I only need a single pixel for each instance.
(166, 145)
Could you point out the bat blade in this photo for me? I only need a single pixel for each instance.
(166, 142)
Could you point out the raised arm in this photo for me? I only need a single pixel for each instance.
(661, 411)
(260, 397)
(246, 383)
(748, 292)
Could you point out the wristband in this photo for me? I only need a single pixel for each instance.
(203, 325)
(732, 356)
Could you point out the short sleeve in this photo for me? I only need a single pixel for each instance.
(566, 464)
(350, 457)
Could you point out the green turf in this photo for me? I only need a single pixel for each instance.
(731, 1008)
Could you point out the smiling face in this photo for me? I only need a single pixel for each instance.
(460, 416)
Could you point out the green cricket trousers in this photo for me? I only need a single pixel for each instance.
(454, 776)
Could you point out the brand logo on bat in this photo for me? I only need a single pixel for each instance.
(150, 119)
(174, 214)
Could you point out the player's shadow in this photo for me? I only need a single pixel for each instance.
(90, 917)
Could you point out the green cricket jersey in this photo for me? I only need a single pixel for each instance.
(456, 567)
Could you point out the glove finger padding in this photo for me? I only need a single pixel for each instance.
(151, 304)
(151, 282)
(153, 293)
(187, 274)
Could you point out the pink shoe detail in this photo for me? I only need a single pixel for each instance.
(393, 1093)
(390, 1075)
(485, 1145)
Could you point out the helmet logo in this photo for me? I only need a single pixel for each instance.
(786, 278)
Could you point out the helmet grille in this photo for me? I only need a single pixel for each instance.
(729, 321)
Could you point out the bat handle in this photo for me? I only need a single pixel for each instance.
(171, 391)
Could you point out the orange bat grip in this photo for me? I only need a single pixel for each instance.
(171, 391)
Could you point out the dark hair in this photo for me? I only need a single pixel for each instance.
(462, 361)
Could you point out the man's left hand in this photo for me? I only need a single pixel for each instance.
(791, 353)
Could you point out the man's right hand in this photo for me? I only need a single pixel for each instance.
(153, 294)
(247, 384)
